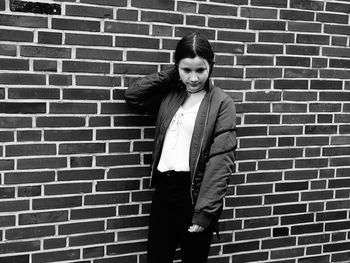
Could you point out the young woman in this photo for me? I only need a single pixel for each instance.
(193, 155)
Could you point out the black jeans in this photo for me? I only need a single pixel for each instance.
(171, 215)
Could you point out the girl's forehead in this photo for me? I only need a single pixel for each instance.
(194, 62)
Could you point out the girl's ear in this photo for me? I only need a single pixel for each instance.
(211, 67)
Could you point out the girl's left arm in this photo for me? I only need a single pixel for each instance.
(218, 168)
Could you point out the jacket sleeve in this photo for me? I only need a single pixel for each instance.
(146, 93)
(218, 168)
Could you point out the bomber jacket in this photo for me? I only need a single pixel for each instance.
(213, 141)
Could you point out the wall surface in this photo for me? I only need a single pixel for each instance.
(74, 157)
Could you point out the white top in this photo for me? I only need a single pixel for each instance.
(176, 146)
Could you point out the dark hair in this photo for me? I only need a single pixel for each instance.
(192, 45)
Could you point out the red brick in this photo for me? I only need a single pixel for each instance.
(264, 72)
(120, 185)
(88, 11)
(41, 51)
(18, 247)
(267, 25)
(75, 24)
(22, 79)
(99, 81)
(40, 163)
(49, 37)
(297, 15)
(67, 189)
(313, 39)
(117, 134)
(218, 10)
(128, 15)
(33, 93)
(14, 64)
(43, 217)
(332, 18)
(307, 27)
(338, 7)
(80, 162)
(24, 21)
(73, 228)
(85, 67)
(29, 177)
(55, 243)
(98, 212)
(153, 4)
(30, 232)
(73, 108)
(61, 80)
(181, 31)
(57, 256)
(195, 20)
(169, 18)
(309, 5)
(258, 13)
(91, 239)
(105, 199)
(29, 191)
(293, 61)
(265, 48)
(121, 3)
(148, 56)
(337, 29)
(60, 122)
(119, 27)
(251, 257)
(221, 22)
(7, 49)
(299, 96)
(15, 259)
(6, 136)
(90, 40)
(6, 165)
(94, 252)
(30, 149)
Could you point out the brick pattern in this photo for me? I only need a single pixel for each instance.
(74, 157)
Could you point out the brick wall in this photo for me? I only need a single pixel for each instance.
(74, 157)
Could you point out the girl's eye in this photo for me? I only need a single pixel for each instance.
(201, 70)
(186, 70)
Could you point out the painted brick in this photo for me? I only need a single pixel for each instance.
(33, 7)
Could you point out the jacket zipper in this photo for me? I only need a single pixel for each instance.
(199, 153)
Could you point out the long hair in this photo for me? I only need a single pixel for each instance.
(192, 45)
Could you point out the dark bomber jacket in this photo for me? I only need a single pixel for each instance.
(213, 140)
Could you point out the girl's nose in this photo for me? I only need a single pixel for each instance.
(193, 77)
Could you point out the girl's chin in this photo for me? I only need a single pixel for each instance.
(194, 88)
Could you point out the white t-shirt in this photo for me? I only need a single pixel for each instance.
(176, 146)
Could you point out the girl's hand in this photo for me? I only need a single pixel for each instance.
(195, 229)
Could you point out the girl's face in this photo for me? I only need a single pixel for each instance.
(194, 72)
